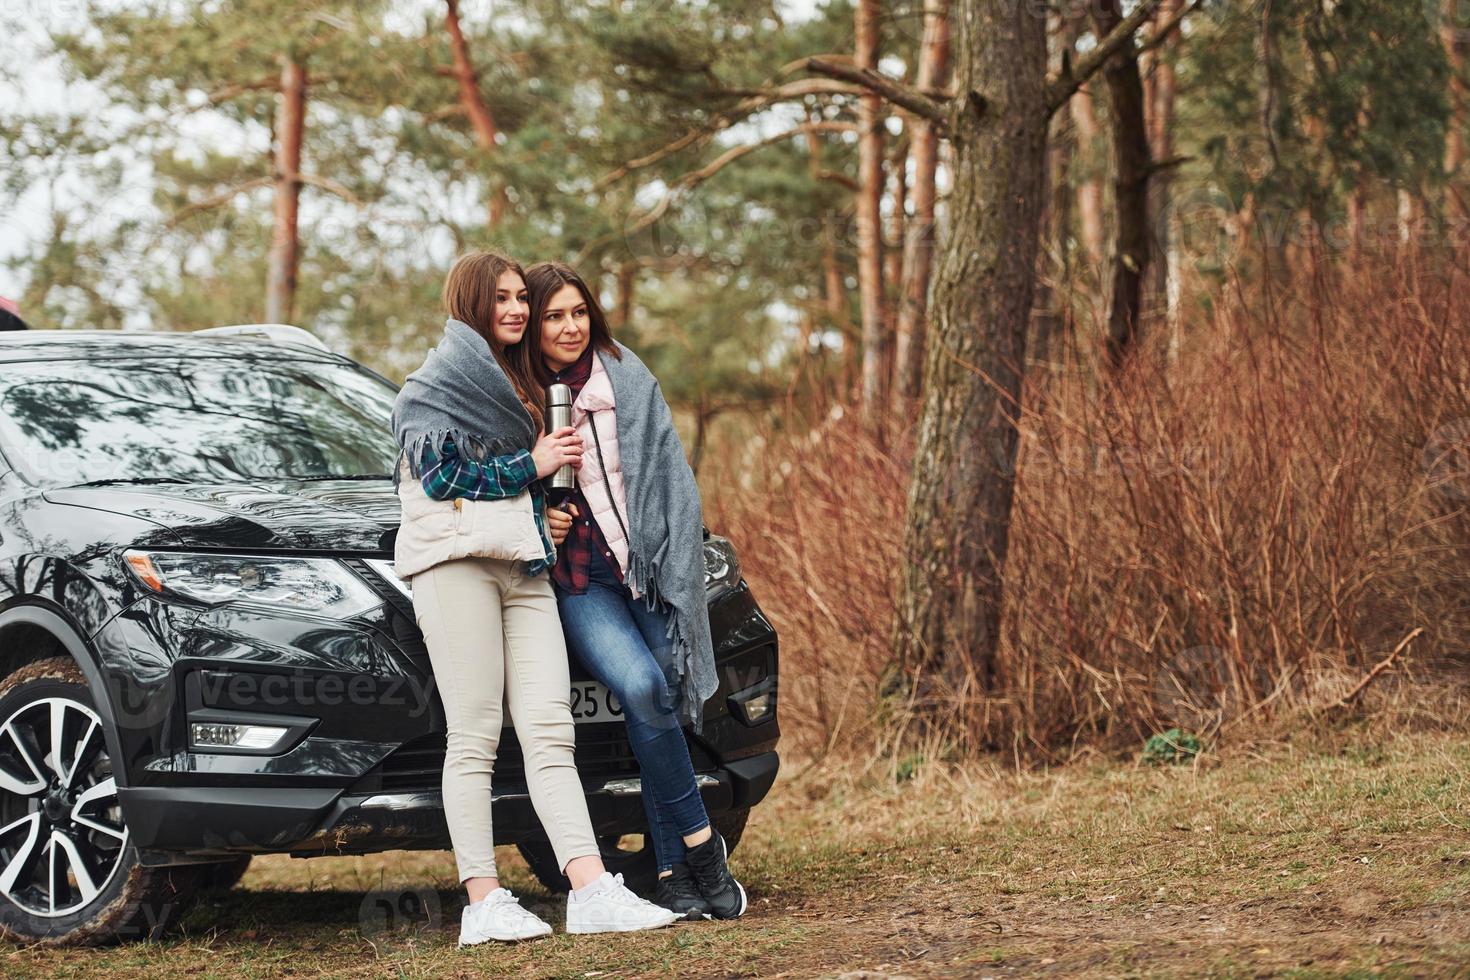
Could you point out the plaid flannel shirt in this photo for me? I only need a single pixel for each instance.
(448, 475)
(585, 544)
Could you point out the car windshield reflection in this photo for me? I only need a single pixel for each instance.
(65, 423)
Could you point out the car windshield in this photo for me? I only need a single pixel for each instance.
(194, 420)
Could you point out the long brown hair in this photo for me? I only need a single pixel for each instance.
(543, 281)
(469, 296)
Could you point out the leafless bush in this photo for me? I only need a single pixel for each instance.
(1226, 541)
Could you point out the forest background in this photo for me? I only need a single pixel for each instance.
(1064, 373)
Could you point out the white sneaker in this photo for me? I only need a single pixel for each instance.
(613, 908)
(499, 916)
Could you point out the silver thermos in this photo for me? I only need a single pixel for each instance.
(559, 416)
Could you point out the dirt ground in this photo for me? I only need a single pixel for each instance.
(1349, 859)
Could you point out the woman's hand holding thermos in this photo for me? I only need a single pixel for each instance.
(557, 449)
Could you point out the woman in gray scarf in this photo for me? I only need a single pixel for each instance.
(630, 577)
(475, 544)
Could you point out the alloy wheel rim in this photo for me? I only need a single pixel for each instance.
(62, 834)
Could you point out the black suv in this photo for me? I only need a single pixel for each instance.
(205, 654)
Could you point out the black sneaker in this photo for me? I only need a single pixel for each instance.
(712, 876)
(679, 894)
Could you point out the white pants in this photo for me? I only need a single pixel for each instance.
(494, 638)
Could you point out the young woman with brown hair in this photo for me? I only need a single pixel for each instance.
(630, 577)
(474, 541)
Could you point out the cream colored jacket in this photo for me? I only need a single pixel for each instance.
(435, 531)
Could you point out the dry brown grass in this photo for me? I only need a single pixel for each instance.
(1226, 543)
(1342, 855)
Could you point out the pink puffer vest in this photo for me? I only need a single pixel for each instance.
(595, 405)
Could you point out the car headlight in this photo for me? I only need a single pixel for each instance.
(315, 586)
(721, 567)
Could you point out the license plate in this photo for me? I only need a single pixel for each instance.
(593, 703)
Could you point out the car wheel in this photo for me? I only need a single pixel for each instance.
(731, 825)
(637, 866)
(68, 872)
(221, 876)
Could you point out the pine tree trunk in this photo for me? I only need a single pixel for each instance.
(1357, 214)
(702, 416)
(1161, 90)
(1454, 138)
(1089, 188)
(1410, 217)
(893, 239)
(290, 125)
(869, 221)
(627, 284)
(1268, 95)
(1054, 281)
(472, 104)
(1132, 166)
(834, 294)
(918, 257)
(1053, 290)
(959, 505)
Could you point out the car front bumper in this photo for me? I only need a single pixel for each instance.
(175, 824)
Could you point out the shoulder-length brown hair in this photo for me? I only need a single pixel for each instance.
(469, 296)
(543, 281)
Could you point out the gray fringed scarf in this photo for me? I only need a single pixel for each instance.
(665, 525)
(461, 392)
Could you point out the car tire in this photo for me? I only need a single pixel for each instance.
(221, 876)
(59, 813)
(638, 867)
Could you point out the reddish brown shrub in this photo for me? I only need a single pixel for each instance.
(1206, 544)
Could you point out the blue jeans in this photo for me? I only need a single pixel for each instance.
(624, 645)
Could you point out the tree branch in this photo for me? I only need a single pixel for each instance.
(233, 91)
(229, 193)
(689, 181)
(743, 109)
(331, 186)
(694, 178)
(1174, 162)
(840, 179)
(891, 89)
(1074, 76)
(1383, 666)
(215, 200)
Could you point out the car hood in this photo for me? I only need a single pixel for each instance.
(335, 515)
